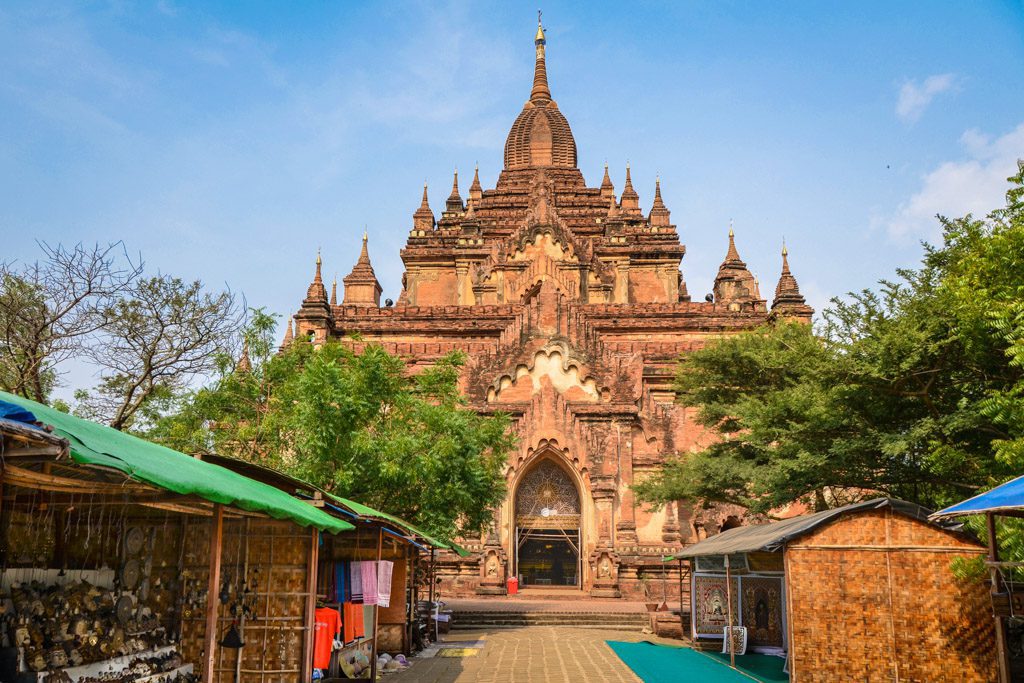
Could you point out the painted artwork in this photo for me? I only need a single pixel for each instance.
(762, 611)
(710, 609)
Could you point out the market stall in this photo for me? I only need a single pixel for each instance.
(124, 560)
(365, 589)
(871, 580)
(1006, 500)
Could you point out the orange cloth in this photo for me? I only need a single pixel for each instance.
(348, 622)
(327, 625)
(357, 617)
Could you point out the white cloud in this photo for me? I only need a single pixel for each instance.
(974, 185)
(915, 97)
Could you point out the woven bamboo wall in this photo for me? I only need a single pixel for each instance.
(872, 598)
(277, 555)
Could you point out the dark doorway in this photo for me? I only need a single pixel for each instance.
(548, 558)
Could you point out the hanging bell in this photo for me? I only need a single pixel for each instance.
(232, 638)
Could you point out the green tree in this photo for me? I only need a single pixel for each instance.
(915, 390)
(356, 424)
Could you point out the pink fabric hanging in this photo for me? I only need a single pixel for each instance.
(384, 570)
(369, 572)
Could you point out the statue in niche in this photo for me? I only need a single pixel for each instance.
(540, 204)
(604, 568)
(492, 566)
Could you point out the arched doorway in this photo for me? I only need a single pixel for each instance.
(547, 523)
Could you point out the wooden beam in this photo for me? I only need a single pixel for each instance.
(311, 582)
(44, 481)
(1002, 652)
(34, 452)
(212, 593)
(14, 430)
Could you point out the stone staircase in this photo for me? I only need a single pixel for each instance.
(496, 618)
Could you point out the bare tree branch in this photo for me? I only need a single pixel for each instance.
(49, 308)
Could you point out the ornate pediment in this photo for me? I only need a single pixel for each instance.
(550, 365)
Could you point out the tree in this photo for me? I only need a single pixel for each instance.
(155, 339)
(915, 390)
(49, 308)
(356, 424)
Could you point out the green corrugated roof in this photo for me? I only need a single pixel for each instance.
(95, 444)
(367, 511)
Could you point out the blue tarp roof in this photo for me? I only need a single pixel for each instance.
(1007, 497)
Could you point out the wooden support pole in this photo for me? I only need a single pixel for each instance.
(212, 592)
(728, 599)
(311, 583)
(682, 620)
(376, 608)
(1002, 651)
(410, 604)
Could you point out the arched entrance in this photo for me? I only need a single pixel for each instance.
(547, 528)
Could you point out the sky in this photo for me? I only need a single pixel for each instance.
(228, 141)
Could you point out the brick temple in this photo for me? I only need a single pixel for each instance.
(571, 306)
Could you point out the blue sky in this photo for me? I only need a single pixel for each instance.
(227, 141)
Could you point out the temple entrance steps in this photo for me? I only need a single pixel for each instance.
(518, 612)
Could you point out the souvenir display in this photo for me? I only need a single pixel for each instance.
(61, 626)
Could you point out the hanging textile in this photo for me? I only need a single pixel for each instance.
(356, 569)
(384, 571)
(349, 621)
(369, 576)
(358, 621)
(342, 588)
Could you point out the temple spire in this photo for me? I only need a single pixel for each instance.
(540, 73)
(630, 200)
(476, 191)
(734, 285)
(244, 365)
(364, 254)
(659, 212)
(361, 285)
(317, 293)
(607, 189)
(423, 218)
(288, 335)
(732, 254)
(454, 203)
(789, 302)
(334, 290)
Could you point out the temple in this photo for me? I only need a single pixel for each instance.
(572, 308)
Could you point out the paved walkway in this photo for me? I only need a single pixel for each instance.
(534, 654)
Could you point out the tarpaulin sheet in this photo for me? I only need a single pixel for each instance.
(1007, 497)
(368, 512)
(95, 444)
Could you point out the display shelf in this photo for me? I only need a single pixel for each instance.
(106, 665)
(164, 676)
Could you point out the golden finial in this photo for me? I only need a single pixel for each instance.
(318, 261)
(365, 233)
(785, 251)
(539, 38)
(731, 233)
